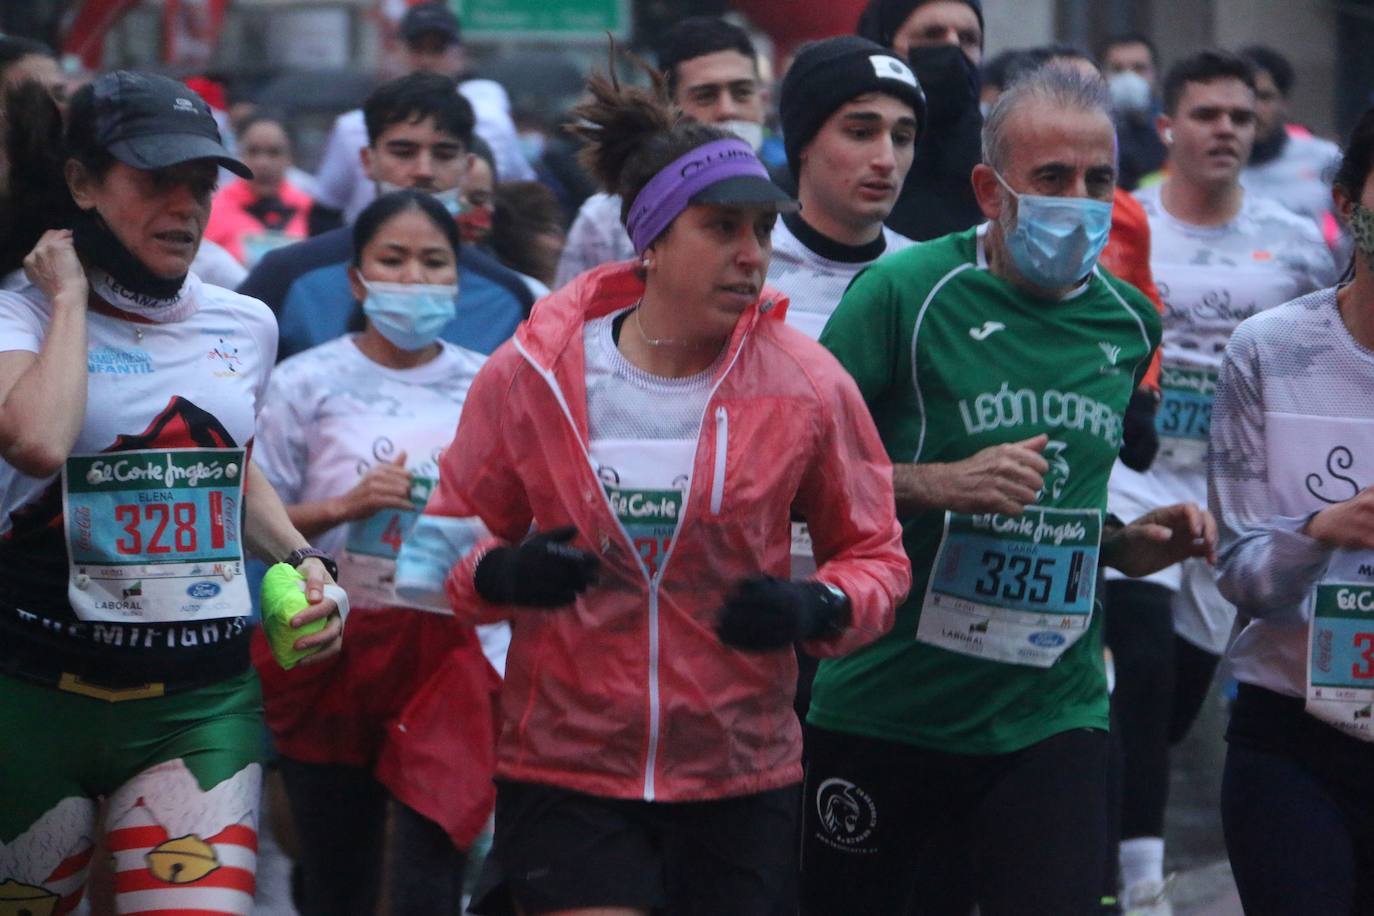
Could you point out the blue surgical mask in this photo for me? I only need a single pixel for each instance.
(410, 315)
(452, 199)
(1057, 240)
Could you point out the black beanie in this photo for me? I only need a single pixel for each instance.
(826, 74)
(882, 18)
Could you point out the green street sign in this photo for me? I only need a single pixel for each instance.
(544, 20)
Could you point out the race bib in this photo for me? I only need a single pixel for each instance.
(153, 535)
(257, 244)
(1184, 419)
(1010, 589)
(1340, 657)
(1316, 462)
(367, 569)
(646, 484)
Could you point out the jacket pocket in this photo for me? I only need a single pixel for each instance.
(722, 447)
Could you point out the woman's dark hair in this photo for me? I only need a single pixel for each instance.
(37, 148)
(1359, 157)
(262, 117)
(524, 209)
(632, 133)
(1356, 164)
(376, 214)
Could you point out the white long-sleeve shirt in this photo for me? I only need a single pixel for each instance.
(1292, 433)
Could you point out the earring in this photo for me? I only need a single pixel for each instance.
(646, 263)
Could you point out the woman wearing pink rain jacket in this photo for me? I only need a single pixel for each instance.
(620, 489)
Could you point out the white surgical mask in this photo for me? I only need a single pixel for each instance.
(1129, 91)
(748, 131)
(452, 199)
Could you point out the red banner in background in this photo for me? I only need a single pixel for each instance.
(190, 32)
(86, 36)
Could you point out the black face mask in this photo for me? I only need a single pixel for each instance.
(950, 80)
(97, 246)
(1268, 148)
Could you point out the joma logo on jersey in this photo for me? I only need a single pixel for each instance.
(1111, 351)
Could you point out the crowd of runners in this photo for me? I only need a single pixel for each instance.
(845, 517)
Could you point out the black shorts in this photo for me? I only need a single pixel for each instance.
(890, 829)
(556, 849)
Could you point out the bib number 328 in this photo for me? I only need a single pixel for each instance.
(153, 535)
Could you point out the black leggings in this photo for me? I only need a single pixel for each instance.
(1161, 682)
(894, 830)
(1297, 806)
(340, 813)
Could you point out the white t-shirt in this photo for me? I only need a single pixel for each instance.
(1299, 178)
(813, 281)
(644, 432)
(1294, 435)
(1210, 278)
(216, 363)
(155, 536)
(331, 414)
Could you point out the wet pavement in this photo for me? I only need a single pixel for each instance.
(1194, 848)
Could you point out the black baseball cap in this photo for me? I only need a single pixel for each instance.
(151, 122)
(430, 17)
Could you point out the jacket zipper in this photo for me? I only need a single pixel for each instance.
(722, 440)
(717, 494)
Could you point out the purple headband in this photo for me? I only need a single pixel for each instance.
(670, 191)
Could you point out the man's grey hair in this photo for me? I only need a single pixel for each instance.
(1054, 85)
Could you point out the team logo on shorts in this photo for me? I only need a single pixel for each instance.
(847, 814)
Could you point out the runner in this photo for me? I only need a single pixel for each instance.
(251, 218)
(350, 436)
(130, 391)
(649, 754)
(851, 113)
(1219, 254)
(1290, 466)
(420, 132)
(713, 76)
(961, 759)
(1288, 163)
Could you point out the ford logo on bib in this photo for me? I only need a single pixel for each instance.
(203, 590)
(1046, 640)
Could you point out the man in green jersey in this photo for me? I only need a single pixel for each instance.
(962, 757)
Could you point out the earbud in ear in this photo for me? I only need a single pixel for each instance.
(1168, 135)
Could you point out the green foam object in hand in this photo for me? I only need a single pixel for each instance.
(282, 599)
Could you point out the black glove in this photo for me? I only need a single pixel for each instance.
(542, 571)
(766, 613)
(1139, 438)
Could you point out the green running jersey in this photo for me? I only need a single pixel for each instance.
(951, 360)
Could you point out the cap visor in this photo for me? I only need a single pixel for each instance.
(747, 191)
(166, 150)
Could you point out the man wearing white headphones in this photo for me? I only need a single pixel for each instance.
(1218, 255)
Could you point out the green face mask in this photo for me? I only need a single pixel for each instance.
(1362, 231)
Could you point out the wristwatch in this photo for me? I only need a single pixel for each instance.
(301, 554)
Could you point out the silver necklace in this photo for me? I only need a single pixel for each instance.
(655, 341)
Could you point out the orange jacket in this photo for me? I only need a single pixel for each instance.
(1127, 256)
(629, 693)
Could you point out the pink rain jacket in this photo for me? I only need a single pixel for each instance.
(629, 693)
